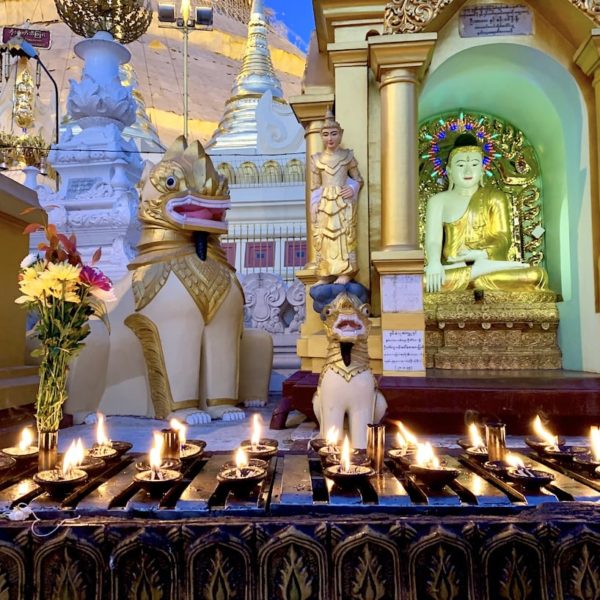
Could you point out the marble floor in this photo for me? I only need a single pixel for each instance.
(223, 436)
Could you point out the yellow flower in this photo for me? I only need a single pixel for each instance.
(62, 272)
(33, 289)
(29, 274)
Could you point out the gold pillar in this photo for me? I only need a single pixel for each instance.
(398, 62)
(587, 58)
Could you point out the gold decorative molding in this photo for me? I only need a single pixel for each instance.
(590, 7)
(412, 16)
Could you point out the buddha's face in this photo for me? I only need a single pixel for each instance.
(332, 138)
(465, 169)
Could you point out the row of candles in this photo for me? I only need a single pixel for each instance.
(169, 449)
(343, 464)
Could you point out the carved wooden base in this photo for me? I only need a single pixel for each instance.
(542, 554)
(492, 330)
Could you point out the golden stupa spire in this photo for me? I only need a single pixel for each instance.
(237, 128)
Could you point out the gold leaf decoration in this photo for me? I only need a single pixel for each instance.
(147, 584)
(411, 16)
(70, 584)
(586, 577)
(218, 586)
(296, 583)
(515, 583)
(443, 583)
(368, 583)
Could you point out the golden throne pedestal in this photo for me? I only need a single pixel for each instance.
(492, 330)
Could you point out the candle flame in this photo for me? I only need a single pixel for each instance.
(426, 456)
(401, 440)
(241, 459)
(180, 428)
(408, 435)
(79, 452)
(157, 441)
(595, 439)
(475, 436)
(543, 433)
(345, 458)
(332, 436)
(26, 439)
(513, 460)
(185, 10)
(101, 437)
(255, 439)
(70, 460)
(155, 459)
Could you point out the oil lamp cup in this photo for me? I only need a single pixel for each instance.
(242, 480)
(91, 464)
(157, 483)
(538, 444)
(253, 462)
(587, 461)
(191, 449)
(403, 456)
(6, 462)
(564, 453)
(529, 478)
(434, 477)
(317, 443)
(265, 449)
(121, 447)
(167, 464)
(58, 485)
(465, 443)
(356, 458)
(479, 453)
(103, 452)
(21, 454)
(498, 467)
(348, 478)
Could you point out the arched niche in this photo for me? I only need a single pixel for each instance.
(535, 92)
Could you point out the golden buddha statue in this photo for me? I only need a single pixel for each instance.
(335, 183)
(24, 96)
(468, 232)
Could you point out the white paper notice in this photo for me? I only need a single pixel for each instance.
(403, 350)
(484, 20)
(402, 293)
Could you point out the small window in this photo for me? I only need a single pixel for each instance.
(260, 255)
(295, 253)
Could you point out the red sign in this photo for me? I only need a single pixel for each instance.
(40, 38)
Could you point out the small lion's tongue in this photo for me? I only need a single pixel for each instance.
(194, 211)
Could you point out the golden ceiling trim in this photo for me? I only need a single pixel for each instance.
(590, 7)
(412, 16)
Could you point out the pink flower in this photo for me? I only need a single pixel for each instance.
(100, 285)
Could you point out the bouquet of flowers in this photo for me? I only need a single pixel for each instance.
(63, 293)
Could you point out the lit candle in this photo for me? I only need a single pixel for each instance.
(426, 457)
(155, 462)
(512, 460)
(409, 436)
(69, 461)
(475, 436)
(185, 11)
(331, 438)
(26, 439)
(241, 461)
(543, 434)
(255, 438)
(101, 437)
(345, 458)
(180, 428)
(595, 442)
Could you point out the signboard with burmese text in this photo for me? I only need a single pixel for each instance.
(485, 20)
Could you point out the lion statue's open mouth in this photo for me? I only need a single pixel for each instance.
(194, 212)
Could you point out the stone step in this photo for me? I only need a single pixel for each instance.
(18, 371)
